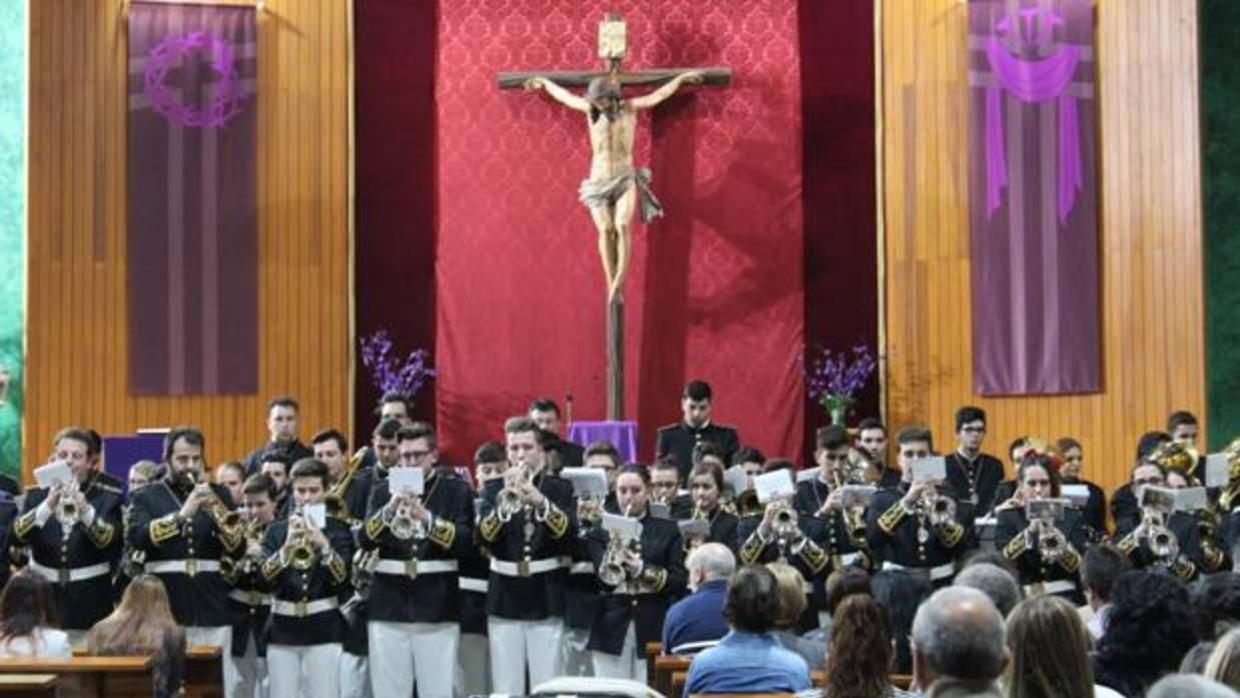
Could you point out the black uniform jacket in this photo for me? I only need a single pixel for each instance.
(975, 481)
(895, 535)
(81, 603)
(1028, 559)
(644, 600)
(326, 578)
(415, 597)
(679, 439)
(538, 595)
(198, 597)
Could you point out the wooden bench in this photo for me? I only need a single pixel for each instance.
(204, 672)
(665, 665)
(97, 677)
(28, 685)
(653, 649)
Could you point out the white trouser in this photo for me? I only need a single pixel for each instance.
(250, 679)
(576, 659)
(304, 671)
(514, 643)
(473, 666)
(220, 636)
(627, 665)
(354, 676)
(393, 669)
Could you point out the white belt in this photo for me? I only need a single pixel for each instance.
(301, 609)
(934, 573)
(526, 567)
(191, 566)
(1058, 586)
(472, 584)
(414, 567)
(581, 568)
(77, 574)
(250, 598)
(848, 559)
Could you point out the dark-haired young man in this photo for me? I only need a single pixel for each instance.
(306, 568)
(283, 417)
(872, 444)
(546, 413)
(694, 427)
(822, 498)
(183, 527)
(350, 483)
(902, 527)
(414, 606)
(74, 534)
(973, 475)
(250, 603)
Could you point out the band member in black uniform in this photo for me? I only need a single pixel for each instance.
(394, 406)
(1094, 513)
(546, 413)
(74, 534)
(1046, 553)
(822, 498)
(639, 577)
(527, 525)
(184, 527)
(706, 491)
(349, 492)
(1156, 538)
(473, 655)
(306, 568)
(581, 590)
(605, 456)
(1212, 539)
(8, 515)
(779, 533)
(915, 526)
(973, 475)
(414, 604)
(871, 443)
(283, 418)
(679, 439)
(250, 603)
(277, 465)
(666, 491)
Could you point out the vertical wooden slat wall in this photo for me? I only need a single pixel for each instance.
(1150, 232)
(77, 340)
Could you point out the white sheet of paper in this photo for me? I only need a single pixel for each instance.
(855, 495)
(1191, 499)
(405, 480)
(736, 480)
(929, 468)
(622, 526)
(659, 510)
(1217, 470)
(807, 474)
(1077, 495)
(774, 484)
(587, 482)
(316, 514)
(693, 527)
(50, 474)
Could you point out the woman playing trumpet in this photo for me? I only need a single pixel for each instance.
(639, 577)
(1046, 551)
(706, 488)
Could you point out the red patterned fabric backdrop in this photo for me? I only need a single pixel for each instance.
(716, 289)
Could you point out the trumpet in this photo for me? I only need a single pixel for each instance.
(223, 516)
(298, 547)
(938, 508)
(784, 525)
(404, 524)
(1161, 540)
(611, 568)
(67, 510)
(511, 498)
(589, 512)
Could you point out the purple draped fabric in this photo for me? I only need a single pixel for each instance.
(622, 435)
(192, 188)
(1033, 197)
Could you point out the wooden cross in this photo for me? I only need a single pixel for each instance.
(612, 50)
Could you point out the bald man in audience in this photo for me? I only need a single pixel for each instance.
(696, 621)
(959, 648)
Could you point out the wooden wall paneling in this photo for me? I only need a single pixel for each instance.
(77, 343)
(1150, 231)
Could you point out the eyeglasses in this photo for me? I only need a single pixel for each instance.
(914, 454)
(1037, 483)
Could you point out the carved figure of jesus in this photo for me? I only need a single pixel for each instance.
(615, 187)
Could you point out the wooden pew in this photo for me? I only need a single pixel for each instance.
(204, 672)
(665, 665)
(678, 684)
(653, 649)
(98, 677)
(28, 685)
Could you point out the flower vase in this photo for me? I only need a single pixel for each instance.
(837, 406)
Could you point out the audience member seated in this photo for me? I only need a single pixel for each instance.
(1148, 632)
(862, 652)
(28, 619)
(143, 625)
(1189, 686)
(901, 593)
(792, 603)
(1103, 564)
(1224, 662)
(841, 584)
(1049, 648)
(696, 621)
(958, 645)
(993, 581)
(1216, 598)
(1195, 661)
(749, 659)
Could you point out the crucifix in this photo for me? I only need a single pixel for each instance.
(614, 190)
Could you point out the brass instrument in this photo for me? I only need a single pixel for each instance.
(611, 568)
(511, 499)
(938, 508)
(1051, 542)
(298, 547)
(67, 511)
(402, 521)
(363, 569)
(1229, 499)
(334, 500)
(589, 512)
(784, 526)
(214, 506)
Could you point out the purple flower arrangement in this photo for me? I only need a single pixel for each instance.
(835, 379)
(387, 373)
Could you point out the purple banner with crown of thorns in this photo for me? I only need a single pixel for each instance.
(193, 225)
(1033, 197)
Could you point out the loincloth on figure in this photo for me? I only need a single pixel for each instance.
(607, 192)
